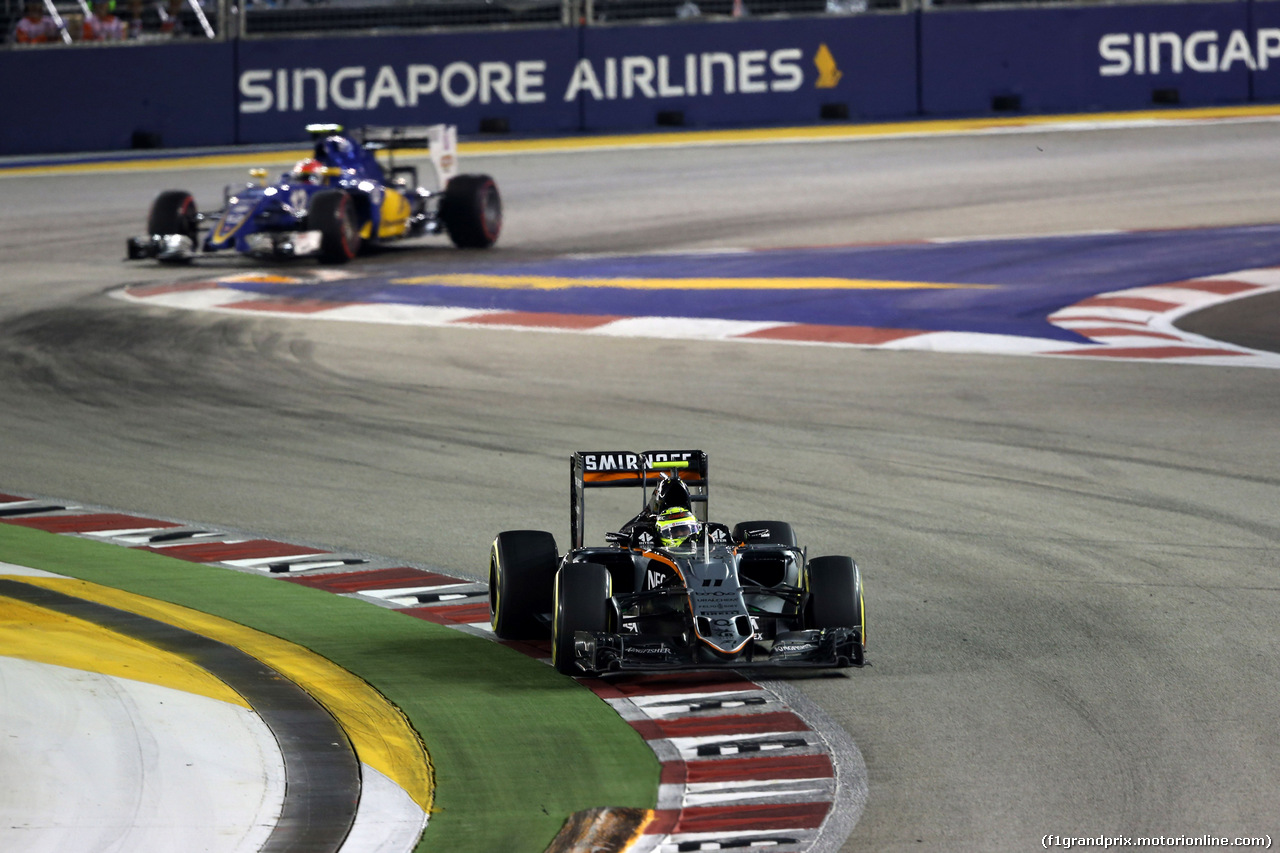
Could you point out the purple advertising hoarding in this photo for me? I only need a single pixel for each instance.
(510, 78)
(1265, 15)
(748, 72)
(111, 98)
(1083, 59)
(723, 73)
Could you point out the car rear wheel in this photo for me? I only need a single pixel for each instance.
(835, 597)
(582, 604)
(522, 572)
(333, 214)
(472, 211)
(765, 533)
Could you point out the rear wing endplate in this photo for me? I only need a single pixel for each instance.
(614, 469)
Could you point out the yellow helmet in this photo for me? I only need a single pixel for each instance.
(676, 526)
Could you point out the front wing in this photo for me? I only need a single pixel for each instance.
(603, 652)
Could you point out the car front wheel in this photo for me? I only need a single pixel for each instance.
(582, 604)
(333, 214)
(522, 570)
(835, 597)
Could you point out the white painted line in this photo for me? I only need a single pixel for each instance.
(660, 705)
(387, 819)
(23, 571)
(470, 589)
(263, 562)
(95, 762)
(744, 746)
(132, 533)
(728, 793)
(682, 328)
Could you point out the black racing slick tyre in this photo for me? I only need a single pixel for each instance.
(582, 604)
(765, 533)
(472, 211)
(174, 212)
(835, 597)
(522, 575)
(835, 593)
(333, 214)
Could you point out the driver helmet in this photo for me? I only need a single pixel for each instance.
(310, 169)
(676, 526)
(670, 492)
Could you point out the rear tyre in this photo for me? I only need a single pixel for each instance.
(522, 573)
(472, 211)
(765, 533)
(582, 604)
(333, 214)
(835, 598)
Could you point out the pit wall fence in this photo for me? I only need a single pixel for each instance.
(927, 63)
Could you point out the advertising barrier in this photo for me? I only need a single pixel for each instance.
(112, 98)
(747, 73)
(979, 62)
(1265, 16)
(623, 78)
(744, 72)
(502, 80)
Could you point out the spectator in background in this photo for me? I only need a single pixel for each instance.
(171, 23)
(133, 20)
(35, 27)
(102, 24)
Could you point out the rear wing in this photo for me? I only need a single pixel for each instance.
(440, 140)
(615, 469)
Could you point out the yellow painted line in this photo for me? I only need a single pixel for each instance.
(161, 164)
(860, 131)
(550, 282)
(46, 636)
(685, 138)
(379, 731)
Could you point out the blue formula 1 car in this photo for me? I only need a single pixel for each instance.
(333, 203)
(671, 590)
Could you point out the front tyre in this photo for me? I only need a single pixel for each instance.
(472, 211)
(333, 214)
(174, 212)
(582, 604)
(522, 571)
(835, 597)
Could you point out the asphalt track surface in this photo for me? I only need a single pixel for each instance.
(1070, 564)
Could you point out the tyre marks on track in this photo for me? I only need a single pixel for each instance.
(742, 769)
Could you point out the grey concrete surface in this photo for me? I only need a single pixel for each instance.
(1071, 567)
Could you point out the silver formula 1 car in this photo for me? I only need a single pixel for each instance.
(670, 589)
(333, 203)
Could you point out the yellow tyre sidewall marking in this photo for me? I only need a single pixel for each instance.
(380, 733)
